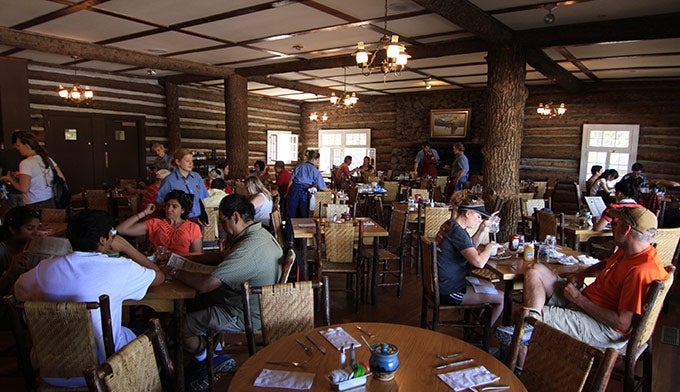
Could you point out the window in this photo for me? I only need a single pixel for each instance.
(335, 144)
(281, 146)
(613, 146)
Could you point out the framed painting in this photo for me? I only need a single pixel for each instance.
(449, 123)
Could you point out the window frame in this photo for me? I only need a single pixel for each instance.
(631, 150)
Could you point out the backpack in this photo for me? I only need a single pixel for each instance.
(60, 192)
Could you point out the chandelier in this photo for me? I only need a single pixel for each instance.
(347, 100)
(548, 110)
(393, 56)
(76, 93)
(314, 116)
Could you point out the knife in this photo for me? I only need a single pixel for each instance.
(323, 350)
(461, 362)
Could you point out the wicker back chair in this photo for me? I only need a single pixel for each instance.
(277, 227)
(540, 188)
(430, 220)
(284, 309)
(211, 232)
(62, 336)
(392, 191)
(666, 242)
(322, 200)
(430, 280)
(391, 260)
(53, 215)
(550, 224)
(336, 255)
(335, 210)
(639, 340)
(559, 362)
(97, 199)
(420, 191)
(527, 207)
(135, 367)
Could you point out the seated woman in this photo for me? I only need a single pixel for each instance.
(261, 198)
(20, 226)
(366, 168)
(458, 249)
(603, 186)
(175, 232)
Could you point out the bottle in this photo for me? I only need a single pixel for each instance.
(543, 253)
(529, 252)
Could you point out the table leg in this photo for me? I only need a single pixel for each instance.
(301, 258)
(577, 242)
(507, 302)
(179, 346)
(374, 271)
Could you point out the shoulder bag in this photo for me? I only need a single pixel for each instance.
(60, 192)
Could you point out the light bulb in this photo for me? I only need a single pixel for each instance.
(393, 48)
(361, 55)
(88, 93)
(313, 116)
(63, 92)
(334, 99)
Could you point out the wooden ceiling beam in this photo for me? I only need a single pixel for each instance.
(293, 85)
(545, 65)
(642, 28)
(70, 47)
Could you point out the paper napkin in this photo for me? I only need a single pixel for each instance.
(571, 260)
(463, 379)
(588, 260)
(284, 379)
(339, 338)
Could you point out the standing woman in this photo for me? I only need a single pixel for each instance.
(185, 180)
(261, 198)
(305, 176)
(34, 178)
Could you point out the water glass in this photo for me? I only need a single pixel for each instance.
(162, 255)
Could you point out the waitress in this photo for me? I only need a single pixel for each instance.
(183, 178)
(305, 176)
(428, 158)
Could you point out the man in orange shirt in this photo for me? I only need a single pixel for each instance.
(602, 313)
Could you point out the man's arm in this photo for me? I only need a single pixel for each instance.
(120, 244)
(621, 320)
(203, 283)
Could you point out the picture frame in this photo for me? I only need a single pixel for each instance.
(449, 123)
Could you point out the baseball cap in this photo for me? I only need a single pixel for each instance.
(476, 205)
(217, 173)
(161, 174)
(640, 219)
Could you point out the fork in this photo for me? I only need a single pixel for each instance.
(288, 363)
(444, 357)
(308, 350)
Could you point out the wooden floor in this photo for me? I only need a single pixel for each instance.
(406, 310)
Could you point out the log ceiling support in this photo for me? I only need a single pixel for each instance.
(236, 122)
(172, 116)
(70, 47)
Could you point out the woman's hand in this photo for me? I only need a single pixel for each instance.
(150, 208)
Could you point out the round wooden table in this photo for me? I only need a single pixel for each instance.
(418, 351)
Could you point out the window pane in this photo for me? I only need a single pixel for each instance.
(608, 138)
(331, 139)
(595, 139)
(356, 139)
(622, 139)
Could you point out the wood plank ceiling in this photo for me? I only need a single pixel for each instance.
(300, 49)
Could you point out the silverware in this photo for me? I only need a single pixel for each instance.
(370, 335)
(456, 363)
(308, 350)
(445, 357)
(490, 388)
(288, 363)
(368, 346)
(323, 350)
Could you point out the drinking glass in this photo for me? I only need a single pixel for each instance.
(494, 226)
(161, 256)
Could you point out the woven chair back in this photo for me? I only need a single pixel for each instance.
(434, 218)
(287, 262)
(335, 210)
(277, 227)
(397, 230)
(645, 323)
(531, 205)
(526, 195)
(53, 215)
(419, 191)
(338, 240)
(322, 199)
(559, 362)
(547, 224)
(540, 187)
(392, 188)
(430, 276)
(211, 232)
(353, 195)
(240, 188)
(286, 309)
(666, 242)
(62, 336)
(97, 199)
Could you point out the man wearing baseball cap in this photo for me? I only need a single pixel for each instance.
(602, 313)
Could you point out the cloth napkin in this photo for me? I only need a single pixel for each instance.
(588, 260)
(283, 379)
(463, 379)
(339, 338)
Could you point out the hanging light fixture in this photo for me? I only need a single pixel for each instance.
(76, 93)
(548, 110)
(549, 17)
(347, 100)
(314, 116)
(428, 83)
(393, 55)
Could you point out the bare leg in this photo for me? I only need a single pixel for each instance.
(539, 282)
(496, 300)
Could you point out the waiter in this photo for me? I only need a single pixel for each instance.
(428, 158)
(459, 170)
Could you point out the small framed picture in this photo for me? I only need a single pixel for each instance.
(449, 123)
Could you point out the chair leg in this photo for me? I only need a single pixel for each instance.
(647, 369)
(423, 313)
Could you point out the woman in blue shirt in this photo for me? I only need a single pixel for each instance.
(305, 176)
(186, 180)
(457, 249)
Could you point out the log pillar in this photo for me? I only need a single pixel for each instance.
(236, 121)
(172, 117)
(503, 138)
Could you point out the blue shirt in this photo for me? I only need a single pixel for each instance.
(193, 184)
(421, 155)
(461, 162)
(451, 264)
(307, 174)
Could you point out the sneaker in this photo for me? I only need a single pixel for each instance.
(197, 372)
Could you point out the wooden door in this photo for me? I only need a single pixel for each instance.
(95, 151)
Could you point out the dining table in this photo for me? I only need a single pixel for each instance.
(53, 229)
(169, 297)
(510, 269)
(578, 235)
(419, 351)
(305, 228)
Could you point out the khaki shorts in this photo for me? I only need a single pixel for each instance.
(212, 318)
(563, 315)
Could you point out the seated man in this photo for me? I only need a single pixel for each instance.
(601, 314)
(637, 175)
(61, 278)
(254, 256)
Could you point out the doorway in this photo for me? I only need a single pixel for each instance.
(93, 150)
